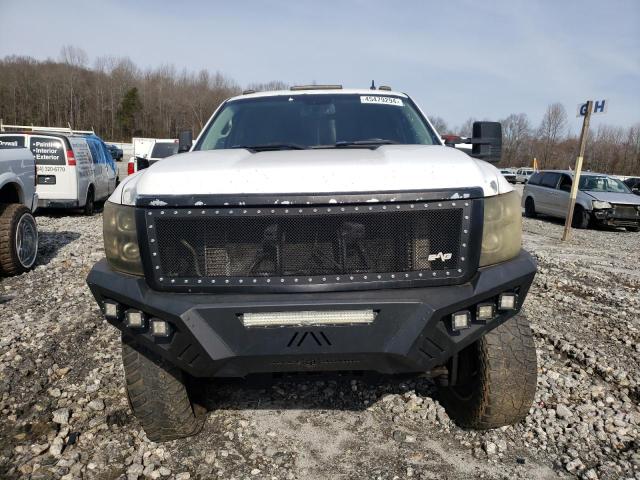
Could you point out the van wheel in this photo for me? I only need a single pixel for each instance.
(529, 208)
(18, 239)
(496, 378)
(89, 206)
(158, 394)
(581, 218)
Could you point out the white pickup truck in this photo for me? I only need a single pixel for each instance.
(316, 229)
(18, 199)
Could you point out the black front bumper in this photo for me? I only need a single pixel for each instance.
(411, 332)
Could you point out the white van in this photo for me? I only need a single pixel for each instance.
(159, 149)
(74, 168)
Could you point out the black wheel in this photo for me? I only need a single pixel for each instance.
(496, 378)
(581, 217)
(634, 229)
(89, 206)
(18, 239)
(530, 208)
(158, 394)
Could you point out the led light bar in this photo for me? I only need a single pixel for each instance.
(307, 318)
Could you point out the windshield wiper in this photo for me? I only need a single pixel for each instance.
(369, 142)
(272, 146)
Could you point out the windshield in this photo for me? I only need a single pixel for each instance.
(163, 150)
(317, 121)
(593, 183)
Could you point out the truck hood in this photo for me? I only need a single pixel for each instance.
(389, 168)
(613, 197)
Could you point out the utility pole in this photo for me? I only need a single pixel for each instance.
(576, 177)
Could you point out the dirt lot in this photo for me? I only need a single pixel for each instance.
(64, 413)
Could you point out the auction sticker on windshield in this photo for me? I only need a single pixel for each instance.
(381, 100)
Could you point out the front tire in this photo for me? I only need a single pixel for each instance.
(89, 206)
(529, 208)
(18, 239)
(581, 218)
(158, 394)
(496, 378)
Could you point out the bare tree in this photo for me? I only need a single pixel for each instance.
(552, 129)
(516, 130)
(439, 124)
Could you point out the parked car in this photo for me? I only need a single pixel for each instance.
(161, 149)
(75, 169)
(116, 152)
(523, 174)
(318, 229)
(509, 174)
(601, 199)
(18, 200)
(634, 184)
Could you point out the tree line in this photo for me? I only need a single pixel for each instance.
(609, 149)
(119, 101)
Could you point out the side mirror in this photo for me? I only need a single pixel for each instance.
(487, 141)
(185, 141)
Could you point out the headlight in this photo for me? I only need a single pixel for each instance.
(121, 238)
(599, 204)
(502, 231)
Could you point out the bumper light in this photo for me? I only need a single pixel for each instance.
(134, 319)
(111, 309)
(508, 301)
(160, 328)
(460, 320)
(485, 312)
(287, 319)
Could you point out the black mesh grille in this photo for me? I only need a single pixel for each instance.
(308, 244)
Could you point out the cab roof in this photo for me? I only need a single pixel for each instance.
(319, 91)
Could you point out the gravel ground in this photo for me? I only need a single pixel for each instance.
(64, 413)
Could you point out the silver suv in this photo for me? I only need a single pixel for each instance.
(601, 199)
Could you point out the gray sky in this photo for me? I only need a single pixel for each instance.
(458, 59)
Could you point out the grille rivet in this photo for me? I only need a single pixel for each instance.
(398, 207)
(162, 212)
(364, 276)
(342, 209)
(384, 207)
(328, 209)
(466, 217)
(411, 205)
(199, 281)
(370, 208)
(420, 274)
(202, 212)
(213, 281)
(189, 212)
(315, 210)
(157, 267)
(379, 276)
(466, 204)
(186, 281)
(406, 275)
(273, 211)
(300, 210)
(268, 280)
(310, 279)
(350, 278)
(175, 212)
(240, 281)
(173, 280)
(426, 205)
(153, 240)
(356, 208)
(150, 213)
(244, 211)
(230, 211)
(324, 279)
(453, 204)
(254, 280)
(282, 280)
(161, 279)
(217, 212)
(155, 254)
(464, 244)
(459, 270)
(226, 281)
(259, 211)
(466, 231)
(448, 273)
(439, 204)
(337, 279)
(462, 258)
(150, 226)
(434, 274)
(286, 211)
(295, 280)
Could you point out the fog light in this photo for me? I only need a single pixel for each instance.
(134, 319)
(460, 320)
(507, 301)
(160, 328)
(485, 311)
(111, 309)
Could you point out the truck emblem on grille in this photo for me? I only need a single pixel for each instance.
(442, 256)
